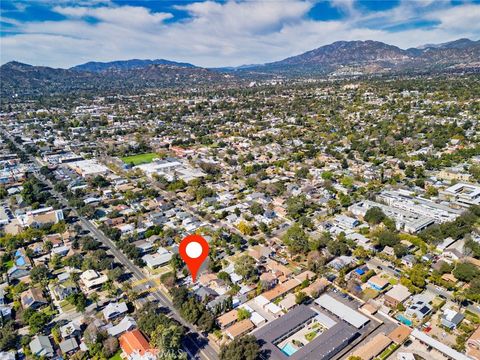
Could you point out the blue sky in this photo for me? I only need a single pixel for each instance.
(64, 33)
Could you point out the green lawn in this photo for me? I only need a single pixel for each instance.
(139, 159)
(388, 351)
(9, 264)
(66, 306)
(310, 336)
(116, 356)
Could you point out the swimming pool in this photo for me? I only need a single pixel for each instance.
(404, 320)
(289, 349)
(20, 261)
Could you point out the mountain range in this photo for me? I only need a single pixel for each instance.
(370, 57)
(341, 58)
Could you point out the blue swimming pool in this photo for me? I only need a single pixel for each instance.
(404, 320)
(20, 261)
(289, 349)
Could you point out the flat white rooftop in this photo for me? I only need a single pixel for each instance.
(343, 311)
(444, 349)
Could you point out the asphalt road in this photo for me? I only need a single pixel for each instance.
(195, 344)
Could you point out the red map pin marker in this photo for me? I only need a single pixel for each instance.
(193, 250)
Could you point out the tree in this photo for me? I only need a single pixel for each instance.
(168, 338)
(3, 192)
(110, 347)
(337, 248)
(300, 297)
(245, 266)
(168, 279)
(418, 275)
(400, 250)
(245, 228)
(39, 274)
(474, 170)
(302, 173)
(148, 319)
(374, 215)
(243, 314)
(37, 322)
(465, 272)
(115, 273)
(191, 310)
(206, 322)
(296, 239)
(256, 209)
(91, 334)
(361, 253)
(432, 191)
(296, 206)
(8, 336)
(79, 300)
(179, 296)
(387, 238)
(242, 348)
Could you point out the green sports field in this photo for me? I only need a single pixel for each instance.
(139, 159)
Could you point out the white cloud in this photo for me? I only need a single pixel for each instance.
(126, 16)
(221, 34)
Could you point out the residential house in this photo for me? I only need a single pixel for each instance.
(378, 283)
(64, 289)
(473, 345)
(71, 329)
(227, 319)
(409, 260)
(18, 272)
(450, 319)
(373, 347)
(160, 258)
(240, 328)
(41, 346)
(396, 295)
(114, 309)
(91, 279)
(33, 299)
(136, 347)
(126, 324)
(69, 346)
(419, 309)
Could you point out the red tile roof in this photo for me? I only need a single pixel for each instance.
(133, 341)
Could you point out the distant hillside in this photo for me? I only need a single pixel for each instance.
(95, 66)
(367, 57)
(27, 80)
(342, 58)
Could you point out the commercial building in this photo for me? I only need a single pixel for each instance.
(324, 346)
(411, 213)
(463, 194)
(342, 311)
(171, 168)
(88, 168)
